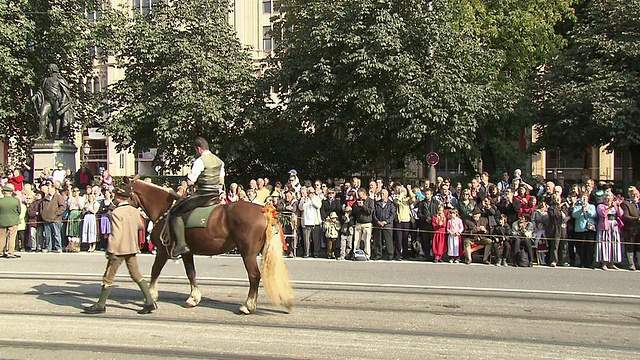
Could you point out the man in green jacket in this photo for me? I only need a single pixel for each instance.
(9, 219)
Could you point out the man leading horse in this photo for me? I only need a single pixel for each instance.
(207, 174)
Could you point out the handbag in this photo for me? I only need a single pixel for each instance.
(590, 226)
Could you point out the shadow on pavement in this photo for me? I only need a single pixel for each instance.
(76, 295)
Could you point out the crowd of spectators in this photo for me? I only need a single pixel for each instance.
(59, 210)
(515, 221)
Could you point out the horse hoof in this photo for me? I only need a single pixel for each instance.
(244, 310)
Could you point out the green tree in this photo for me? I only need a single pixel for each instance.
(15, 72)
(34, 33)
(375, 81)
(591, 94)
(529, 34)
(186, 75)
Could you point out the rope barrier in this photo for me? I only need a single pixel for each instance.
(506, 236)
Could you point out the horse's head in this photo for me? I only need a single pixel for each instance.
(153, 199)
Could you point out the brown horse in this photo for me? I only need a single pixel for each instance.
(241, 225)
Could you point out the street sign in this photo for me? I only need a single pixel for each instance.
(433, 158)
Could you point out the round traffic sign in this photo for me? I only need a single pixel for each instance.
(433, 158)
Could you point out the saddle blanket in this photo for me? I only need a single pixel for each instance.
(199, 217)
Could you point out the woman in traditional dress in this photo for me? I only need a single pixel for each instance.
(75, 204)
(609, 249)
(105, 220)
(89, 226)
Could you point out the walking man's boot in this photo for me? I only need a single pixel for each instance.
(149, 304)
(99, 307)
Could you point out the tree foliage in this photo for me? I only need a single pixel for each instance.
(379, 80)
(591, 94)
(186, 75)
(34, 33)
(529, 34)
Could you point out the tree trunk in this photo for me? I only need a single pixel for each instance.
(625, 168)
(634, 151)
(488, 159)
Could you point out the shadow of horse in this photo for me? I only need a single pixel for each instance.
(76, 295)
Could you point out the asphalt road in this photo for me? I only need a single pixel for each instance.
(355, 310)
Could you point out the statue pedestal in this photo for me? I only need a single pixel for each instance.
(48, 153)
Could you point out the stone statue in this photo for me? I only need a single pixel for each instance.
(54, 106)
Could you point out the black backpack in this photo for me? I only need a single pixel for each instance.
(522, 259)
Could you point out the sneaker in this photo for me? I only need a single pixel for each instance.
(340, 258)
(566, 265)
(456, 261)
(57, 251)
(504, 262)
(613, 266)
(604, 267)
(553, 264)
(450, 261)
(45, 250)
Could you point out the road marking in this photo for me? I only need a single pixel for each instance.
(368, 285)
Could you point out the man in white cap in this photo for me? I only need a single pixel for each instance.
(9, 219)
(294, 181)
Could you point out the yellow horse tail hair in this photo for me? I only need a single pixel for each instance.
(275, 276)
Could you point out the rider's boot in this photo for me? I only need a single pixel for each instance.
(149, 304)
(177, 224)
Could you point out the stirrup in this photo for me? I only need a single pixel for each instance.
(176, 255)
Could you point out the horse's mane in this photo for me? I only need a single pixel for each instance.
(169, 190)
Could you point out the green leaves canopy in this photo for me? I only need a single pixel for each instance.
(186, 75)
(34, 33)
(591, 94)
(379, 80)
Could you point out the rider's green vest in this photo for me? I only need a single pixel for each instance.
(210, 176)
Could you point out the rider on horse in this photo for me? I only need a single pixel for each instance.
(207, 173)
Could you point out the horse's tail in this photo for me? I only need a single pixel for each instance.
(275, 276)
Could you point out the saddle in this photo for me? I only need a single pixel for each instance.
(199, 217)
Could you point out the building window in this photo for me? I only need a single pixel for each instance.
(121, 162)
(142, 6)
(93, 10)
(267, 6)
(267, 41)
(96, 85)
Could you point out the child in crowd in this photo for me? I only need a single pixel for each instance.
(455, 227)
(439, 244)
(347, 229)
(501, 234)
(540, 220)
(331, 233)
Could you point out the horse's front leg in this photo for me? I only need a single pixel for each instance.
(158, 264)
(253, 271)
(189, 267)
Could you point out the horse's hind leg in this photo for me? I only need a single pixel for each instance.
(190, 268)
(158, 264)
(253, 271)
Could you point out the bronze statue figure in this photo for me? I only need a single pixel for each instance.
(54, 106)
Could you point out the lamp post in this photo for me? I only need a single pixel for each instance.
(86, 149)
